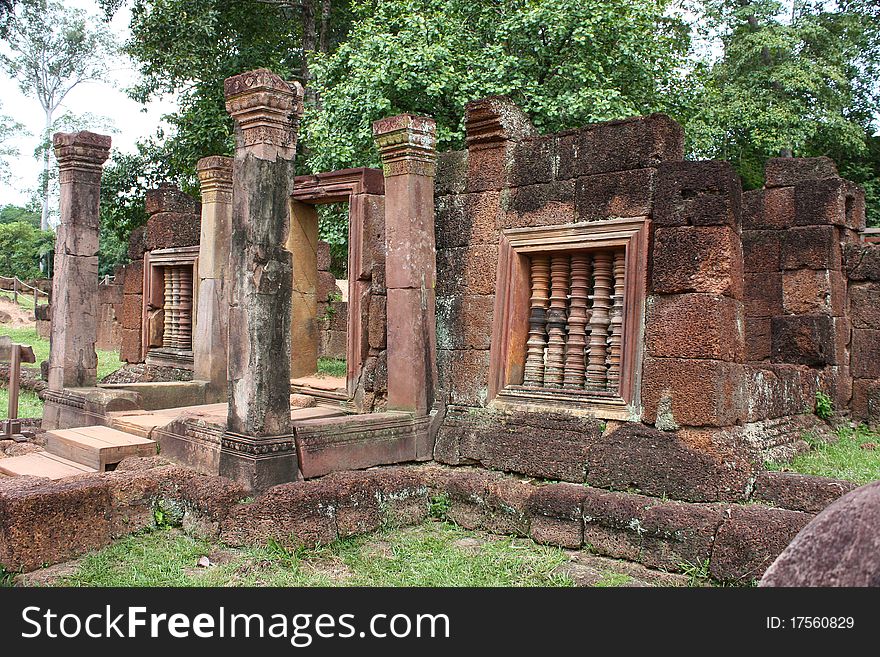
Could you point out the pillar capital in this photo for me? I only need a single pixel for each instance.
(215, 178)
(266, 110)
(80, 151)
(407, 144)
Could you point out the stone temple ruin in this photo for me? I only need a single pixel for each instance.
(583, 307)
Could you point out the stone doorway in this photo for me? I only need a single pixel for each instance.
(327, 321)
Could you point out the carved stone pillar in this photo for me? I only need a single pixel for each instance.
(597, 369)
(72, 360)
(209, 343)
(615, 339)
(406, 144)
(540, 280)
(258, 448)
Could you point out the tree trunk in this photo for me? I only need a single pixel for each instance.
(324, 42)
(309, 44)
(44, 183)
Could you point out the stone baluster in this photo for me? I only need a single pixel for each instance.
(576, 345)
(556, 321)
(615, 339)
(540, 281)
(170, 321)
(597, 368)
(184, 321)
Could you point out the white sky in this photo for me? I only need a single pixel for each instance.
(106, 98)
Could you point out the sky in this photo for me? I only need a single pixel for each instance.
(105, 98)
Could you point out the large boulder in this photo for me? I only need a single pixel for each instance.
(839, 547)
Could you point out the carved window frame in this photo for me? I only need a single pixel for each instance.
(512, 306)
(154, 293)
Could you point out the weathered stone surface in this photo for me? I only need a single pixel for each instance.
(839, 547)
(799, 492)
(467, 270)
(750, 538)
(787, 171)
(768, 209)
(635, 143)
(556, 515)
(866, 401)
(813, 340)
(465, 219)
(131, 349)
(468, 492)
(813, 247)
(134, 278)
(618, 194)
(777, 390)
(533, 160)
(542, 444)
(866, 353)
(697, 392)
(167, 230)
(657, 533)
(404, 495)
(293, 514)
(545, 204)
(377, 322)
(763, 294)
(705, 193)
(137, 243)
(757, 339)
(820, 202)
(762, 251)
(865, 306)
(44, 522)
(698, 259)
(357, 503)
(662, 464)
(695, 326)
(464, 322)
(808, 291)
(862, 261)
(451, 175)
(466, 374)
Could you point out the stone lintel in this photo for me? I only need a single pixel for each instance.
(266, 110)
(407, 144)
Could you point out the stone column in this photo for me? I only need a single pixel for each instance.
(209, 344)
(258, 447)
(406, 144)
(73, 362)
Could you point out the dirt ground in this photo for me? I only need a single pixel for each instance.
(11, 314)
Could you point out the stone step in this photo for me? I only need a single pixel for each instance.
(97, 447)
(42, 464)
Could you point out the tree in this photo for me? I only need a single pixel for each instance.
(793, 79)
(22, 247)
(54, 50)
(565, 62)
(186, 48)
(15, 213)
(9, 128)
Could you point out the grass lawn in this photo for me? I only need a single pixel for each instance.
(432, 554)
(29, 404)
(25, 298)
(331, 366)
(844, 459)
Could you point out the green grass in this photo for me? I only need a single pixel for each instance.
(29, 405)
(108, 361)
(25, 299)
(844, 459)
(331, 366)
(420, 556)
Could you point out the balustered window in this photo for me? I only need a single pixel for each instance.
(568, 317)
(170, 277)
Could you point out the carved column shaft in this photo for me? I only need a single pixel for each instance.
(72, 360)
(265, 109)
(540, 283)
(615, 340)
(556, 321)
(597, 369)
(576, 345)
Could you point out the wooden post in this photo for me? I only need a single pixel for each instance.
(14, 381)
(15, 289)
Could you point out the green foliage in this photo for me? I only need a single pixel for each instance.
(9, 129)
(331, 366)
(6, 577)
(697, 573)
(14, 213)
(167, 514)
(333, 229)
(108, 361)
(801, 81)
(21, 247)
(439, 506)
(824, 406)
(854, 456)
(566, 62)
